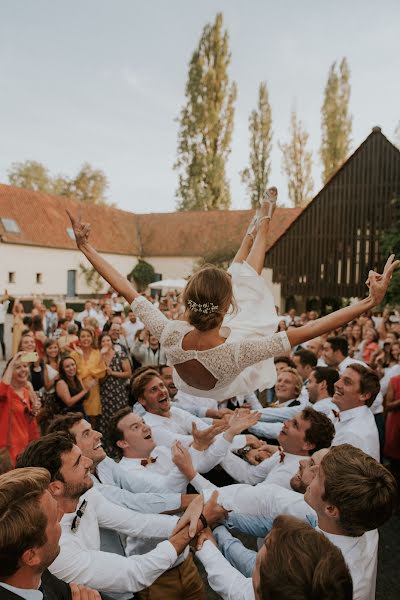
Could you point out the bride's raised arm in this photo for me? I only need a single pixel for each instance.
(377, 283)
(117, 281)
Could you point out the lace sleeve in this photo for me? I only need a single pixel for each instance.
(153, 318)
(254, 351)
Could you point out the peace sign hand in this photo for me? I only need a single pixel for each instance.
(378, 283)
(81, 230)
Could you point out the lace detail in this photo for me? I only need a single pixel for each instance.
(153, 318)
(224, 362)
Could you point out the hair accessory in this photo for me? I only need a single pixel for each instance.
(206, 308)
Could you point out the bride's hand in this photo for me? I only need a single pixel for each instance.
(81, 230)
(378, 283)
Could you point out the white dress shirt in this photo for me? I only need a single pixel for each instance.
(178, 426)
(130, 329)
(224, 579)
(81, 560)
(26, 594)
(164, 469)
(360, 553)
(357, 427)
(196, 405)
(325, 405)
(3, 310)
(277, 469)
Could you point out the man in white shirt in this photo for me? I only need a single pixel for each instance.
(30, 534)
(355, 392)
(316, 346)
(351, 495)
(80, 558)
(130, 327)
(88, 311)
(4, 304)
(289, 558)
(321, 388)
(133, 439)
(305, 362)
(308, 432)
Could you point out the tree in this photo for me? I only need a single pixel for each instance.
(336, 120)
(89, 185)
(31, 175)
(256, 175)
(390, 244)
(93, 280)
(206, 123)
(297, 163)
(142, 274)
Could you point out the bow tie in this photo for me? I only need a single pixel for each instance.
(79, 513)
(337, 414)
(281, 454)
(148, 461)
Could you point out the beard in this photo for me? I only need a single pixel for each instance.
(75, 490)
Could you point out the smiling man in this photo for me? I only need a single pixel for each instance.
(355, 393)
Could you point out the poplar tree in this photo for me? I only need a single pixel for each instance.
(336, 121)
(297, 163)
(206, 123)
(256, 175)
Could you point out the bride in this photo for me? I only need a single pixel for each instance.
(226, 343)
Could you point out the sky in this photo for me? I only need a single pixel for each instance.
(103, 81)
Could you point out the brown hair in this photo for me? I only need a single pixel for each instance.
(47, 452)
(297, 376)
(91, 332)
(22, 521)
(65, 423)
(210, 285)
(369, 381)
(321, 431)
(302, 564)
(362, 489)
(114, 433)
(140, 382)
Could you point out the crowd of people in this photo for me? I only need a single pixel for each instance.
(118, 480)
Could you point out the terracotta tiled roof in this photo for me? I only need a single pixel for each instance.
(43, 222)
(195, 233)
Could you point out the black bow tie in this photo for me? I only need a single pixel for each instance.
(79, 513)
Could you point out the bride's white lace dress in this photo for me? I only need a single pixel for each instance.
(243, 363)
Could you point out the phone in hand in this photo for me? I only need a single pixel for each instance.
(30, 357)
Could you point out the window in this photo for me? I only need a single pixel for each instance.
(39, 277)
(11, 277)
(10, 225)
(70, 232)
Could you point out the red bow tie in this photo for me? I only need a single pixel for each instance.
(148, 461)
(281, 454)
(337, 414)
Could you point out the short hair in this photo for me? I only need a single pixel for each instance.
(64, 423)
(369, 381)
(22, 521)
(46, 452)
(162, 367)
(327, 374)
(114, 432)
(321, 431)
(306, 357)
(302, 564)
(299, 381)
(285, 359)
(362, 489)
(339, 343)
(139, 383)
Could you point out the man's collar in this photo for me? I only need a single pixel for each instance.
(346, 415)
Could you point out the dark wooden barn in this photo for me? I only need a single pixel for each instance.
(329, 249)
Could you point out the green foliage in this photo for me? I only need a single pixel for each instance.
(297, 163)
(220, 258)
(336, 120)
(92, 278)
(256, 175)
(89, 185)
(390, 244)
(142, 274)
(206, 123)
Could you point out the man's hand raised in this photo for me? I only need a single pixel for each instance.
(203, 438)
(80, 592)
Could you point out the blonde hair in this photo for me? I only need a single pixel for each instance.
(211, 286)
(297, 376)
(22, 521)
